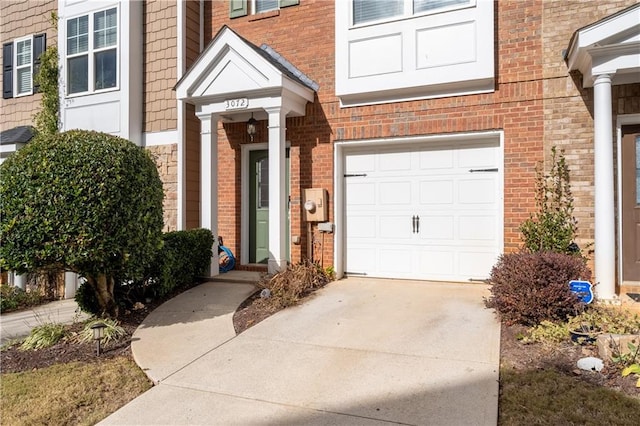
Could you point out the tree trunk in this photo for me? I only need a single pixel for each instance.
(103, 287)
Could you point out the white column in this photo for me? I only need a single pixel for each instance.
(209, 181)
(277, 190)
(605, 249)
(70, 285)
(20, 281)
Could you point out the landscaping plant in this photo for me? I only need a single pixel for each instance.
(43, 336)
(81, 201)
(287, 287)
(112, 331)
(552, 227)
(532, 287)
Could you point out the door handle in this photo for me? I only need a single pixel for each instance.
(413, 224)
(417, 224)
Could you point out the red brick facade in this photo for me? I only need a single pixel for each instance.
(516, 107)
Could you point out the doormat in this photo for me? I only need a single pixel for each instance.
(634, 296)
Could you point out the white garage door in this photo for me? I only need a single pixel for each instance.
(432, 212)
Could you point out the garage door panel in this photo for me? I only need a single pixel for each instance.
(395, 193)
(435, 159)
(393, 262)
(477, 228)
(477, 157)
(395, 161)
(361, 194)
(437, 262)
(436, 192)
(360, 163)
(477, 191)
(395, 227)
(361, 226)
(437, 227)
(476, 264)
(361, 259)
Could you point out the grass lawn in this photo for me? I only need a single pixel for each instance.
(547, 397)
(70, 394)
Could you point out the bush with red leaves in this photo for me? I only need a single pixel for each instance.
(528, 288)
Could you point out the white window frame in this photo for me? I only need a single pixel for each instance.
(254, 7)
(91, 52)
(17, 67)
(407, 12)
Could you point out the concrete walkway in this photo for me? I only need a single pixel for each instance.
(16, 325)
(361, 352)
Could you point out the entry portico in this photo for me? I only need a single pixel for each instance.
(232, 81)
(607, 53)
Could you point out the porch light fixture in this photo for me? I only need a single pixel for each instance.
(251, 127)
(98, 334)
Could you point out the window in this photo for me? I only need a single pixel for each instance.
(239, 8)
(24, 67)
(20, 64)
(92, 52)
(365, 11)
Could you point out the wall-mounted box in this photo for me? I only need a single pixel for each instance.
(315, 205)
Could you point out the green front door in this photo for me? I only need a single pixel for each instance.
(259, 206)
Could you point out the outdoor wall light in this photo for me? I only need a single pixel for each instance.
(251, 127)
(98, 334)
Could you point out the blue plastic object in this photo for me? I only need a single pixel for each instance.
(227, 260)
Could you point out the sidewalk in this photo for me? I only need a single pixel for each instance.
(15, 325)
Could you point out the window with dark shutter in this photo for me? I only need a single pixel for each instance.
(7, 70)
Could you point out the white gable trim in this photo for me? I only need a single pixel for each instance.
(231, 68)
(610, 46)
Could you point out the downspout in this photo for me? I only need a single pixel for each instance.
(181, 47)
(201, 25)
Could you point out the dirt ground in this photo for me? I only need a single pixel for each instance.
(515, 355)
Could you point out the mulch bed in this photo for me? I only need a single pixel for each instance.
(561, 357)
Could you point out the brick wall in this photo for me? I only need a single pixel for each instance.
(20, 19)
(515, 107)
(160, 53)
(568, 109)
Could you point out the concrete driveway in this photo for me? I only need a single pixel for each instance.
(360, 352)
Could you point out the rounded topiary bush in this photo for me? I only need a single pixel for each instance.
(528, 288)
(81, 201)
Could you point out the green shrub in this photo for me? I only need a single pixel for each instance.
(528, 288)
(287, 287)
(81, 201)
(553, 226)
(86, 299)
(12, 298)
(184, 258)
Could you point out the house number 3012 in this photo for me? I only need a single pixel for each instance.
(236, 103)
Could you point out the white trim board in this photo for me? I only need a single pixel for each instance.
(168, 137)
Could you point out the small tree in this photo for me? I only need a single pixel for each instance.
(552, 227)
(85, 202)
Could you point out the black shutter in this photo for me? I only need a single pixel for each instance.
(237, 8)
(39, 44)
(7, 70)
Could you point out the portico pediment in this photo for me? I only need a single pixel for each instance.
(610, 46)
(232, 68)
